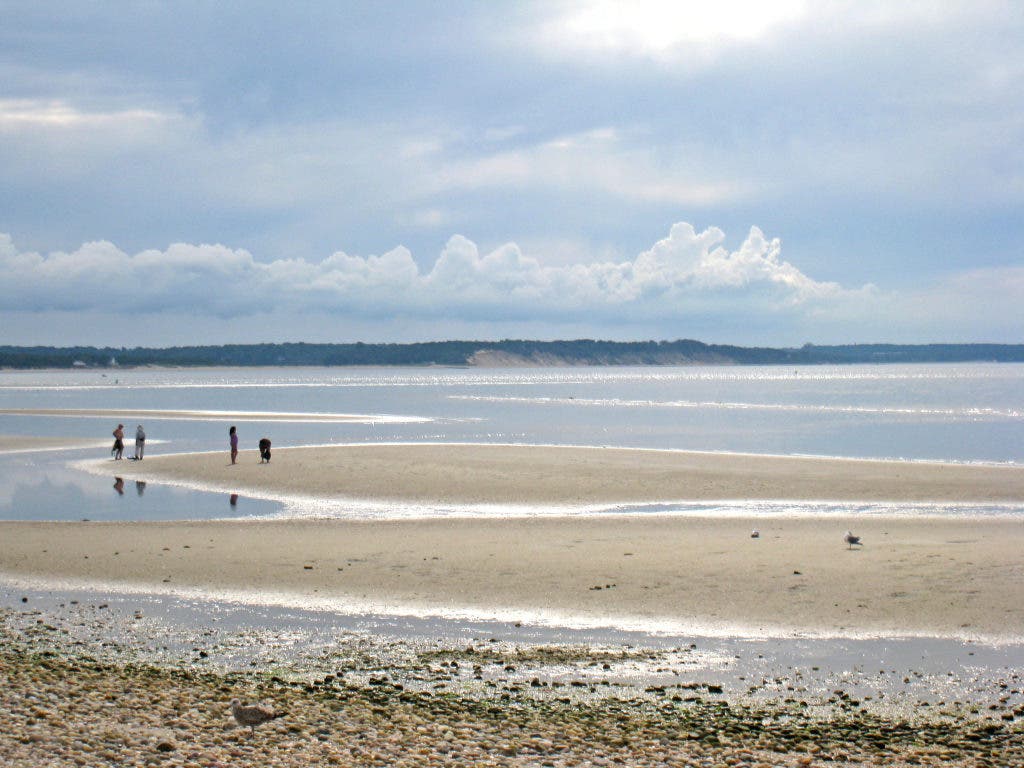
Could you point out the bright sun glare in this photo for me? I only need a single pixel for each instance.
(650, 26)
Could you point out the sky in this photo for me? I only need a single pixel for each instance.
(743, 171)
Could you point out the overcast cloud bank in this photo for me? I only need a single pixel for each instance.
(882, 141)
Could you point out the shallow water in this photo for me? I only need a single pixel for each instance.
(41, 486)
(956, 412)
(895, 674)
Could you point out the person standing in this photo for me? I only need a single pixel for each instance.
(233, 437)
(264, 450)
(140, 442)
(118, 449)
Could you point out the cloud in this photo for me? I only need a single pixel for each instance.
(687, 284)
(975, 305)
(613, 162)
(694, 33)
(35, 114)
(53, 144)
(658, 29)
(426, 217)
(866, 115)
(688, 273)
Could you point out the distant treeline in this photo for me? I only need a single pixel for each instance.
(507, 352)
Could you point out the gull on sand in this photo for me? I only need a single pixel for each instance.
(850, 539)
(252, 714)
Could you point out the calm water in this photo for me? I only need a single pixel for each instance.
(965, 413)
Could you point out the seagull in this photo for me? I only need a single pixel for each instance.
(252, 714)
(850, 539)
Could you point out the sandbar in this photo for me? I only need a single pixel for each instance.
(953, 577)
(31, 444)
(194, 415)
(509, 475)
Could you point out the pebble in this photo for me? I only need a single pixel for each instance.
(61, 707)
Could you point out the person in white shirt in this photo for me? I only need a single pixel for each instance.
(140, 442)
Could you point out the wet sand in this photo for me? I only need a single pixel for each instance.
(934, 577)
(915, 575)
(462, 704)
(530, 475)
(31, 444)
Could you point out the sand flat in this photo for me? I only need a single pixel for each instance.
(941, 577)
(531, 475)
(915, 575)
(134, 414)
(31, 443)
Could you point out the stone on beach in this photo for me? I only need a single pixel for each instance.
(64, 708)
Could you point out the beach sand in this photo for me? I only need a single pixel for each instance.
(532, 475)
(929, 576)
(925, 575)
(941, 577)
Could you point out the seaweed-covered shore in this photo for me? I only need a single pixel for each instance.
(72, 702)
(67, 711)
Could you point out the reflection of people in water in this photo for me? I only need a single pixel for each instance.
(233, 500)
(140, 487)
(119, 485)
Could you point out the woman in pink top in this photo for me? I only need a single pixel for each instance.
(234, 444)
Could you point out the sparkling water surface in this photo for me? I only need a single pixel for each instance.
(948, 412)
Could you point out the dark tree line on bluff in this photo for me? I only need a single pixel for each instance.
(506, 352)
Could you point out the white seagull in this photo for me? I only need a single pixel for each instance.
(850, 539)
(252, 714)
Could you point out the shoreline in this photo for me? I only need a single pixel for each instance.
(512, 475)
(952, 578)
(786, 650)
(96, 679)
(394, 704)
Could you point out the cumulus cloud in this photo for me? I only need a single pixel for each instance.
(687, 273)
